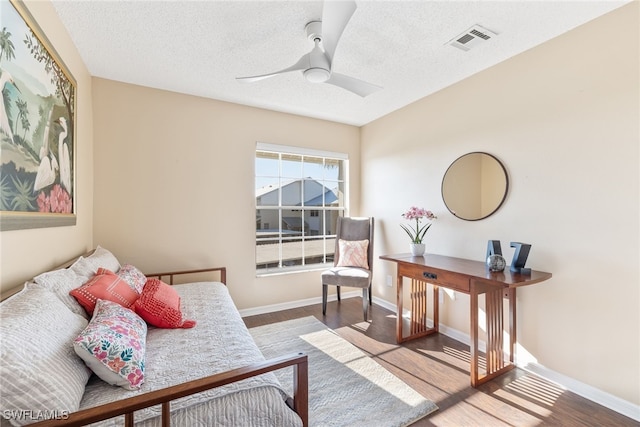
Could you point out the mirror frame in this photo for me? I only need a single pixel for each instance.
(504, 195)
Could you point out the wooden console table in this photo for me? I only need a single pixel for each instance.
(474, 279)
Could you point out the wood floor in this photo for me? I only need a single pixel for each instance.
(438, 368)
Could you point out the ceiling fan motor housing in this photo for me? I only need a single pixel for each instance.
(319, 69)
(314, 30)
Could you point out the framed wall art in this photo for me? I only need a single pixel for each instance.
(37, 126)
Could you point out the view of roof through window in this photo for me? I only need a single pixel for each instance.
(298, 200)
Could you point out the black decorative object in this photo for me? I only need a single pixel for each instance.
(493, 248)
(494, 259)
(520, 258)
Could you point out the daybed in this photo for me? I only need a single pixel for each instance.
(208, 374)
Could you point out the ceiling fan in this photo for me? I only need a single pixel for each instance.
(316, 66)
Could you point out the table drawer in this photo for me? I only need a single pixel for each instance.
(446, 279)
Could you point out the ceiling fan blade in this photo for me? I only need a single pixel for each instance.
(302, 64)
(335, 16)
(352, 84)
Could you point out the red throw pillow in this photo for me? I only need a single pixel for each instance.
(107, 286)
(159, 305)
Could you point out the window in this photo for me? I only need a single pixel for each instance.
(300, 194)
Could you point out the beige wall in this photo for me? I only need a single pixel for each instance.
(563, 117)
(174, 183)
(173, 188)
(24, 253)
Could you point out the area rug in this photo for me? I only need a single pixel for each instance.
(346, 387)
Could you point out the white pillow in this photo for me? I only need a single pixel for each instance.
(61, 282)
(40, 370)
(87, 267)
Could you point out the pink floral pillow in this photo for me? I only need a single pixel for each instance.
(113, 345)
(353, 253)
(130, 274)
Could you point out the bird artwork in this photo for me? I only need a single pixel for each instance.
(5, 78)
(63, 155)
(46, 174)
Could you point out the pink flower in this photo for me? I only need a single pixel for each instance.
(43, 202)
(116, 364)
(60, 200)
(119, 329)
(417, 213)
(100, 355)
(135, 377)
(135, 344)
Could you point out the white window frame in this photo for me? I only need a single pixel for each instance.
(292, 150)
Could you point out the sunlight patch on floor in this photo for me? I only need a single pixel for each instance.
(353, 358)
(517, 401)
(535, 388)
(465, 410)
(362, 326)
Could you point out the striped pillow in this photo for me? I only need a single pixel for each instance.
(61, 282)
(101, 257)
(40, 371)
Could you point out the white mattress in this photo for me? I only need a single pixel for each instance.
(174, 356)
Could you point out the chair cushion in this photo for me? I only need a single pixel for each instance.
(353, 253)
(346, 276)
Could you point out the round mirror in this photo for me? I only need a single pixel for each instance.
(475, 186)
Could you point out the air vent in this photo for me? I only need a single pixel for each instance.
(474, 36)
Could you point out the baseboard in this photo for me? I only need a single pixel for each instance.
(594, 394)
(295, 304)
(443, 329)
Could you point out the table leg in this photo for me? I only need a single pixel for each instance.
(473, 303)
(495, 360)
(419, 304)
(511, 295)
(399, 308)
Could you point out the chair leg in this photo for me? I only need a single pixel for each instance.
(338, 293)
(324, 299)
(365, 306)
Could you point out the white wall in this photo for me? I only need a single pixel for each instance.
(564, 118)
(24, 253)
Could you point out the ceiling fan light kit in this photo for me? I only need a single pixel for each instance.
(316, 66)
(316, 75)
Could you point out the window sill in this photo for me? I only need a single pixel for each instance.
(293, 270)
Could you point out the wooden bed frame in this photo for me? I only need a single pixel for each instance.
(299, 403)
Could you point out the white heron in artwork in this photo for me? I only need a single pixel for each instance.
(5, 78)
(46, 174)
(63, 155)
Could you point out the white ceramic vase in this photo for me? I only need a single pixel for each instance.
(417, 249)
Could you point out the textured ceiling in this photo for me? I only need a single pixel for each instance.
(199, 47)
